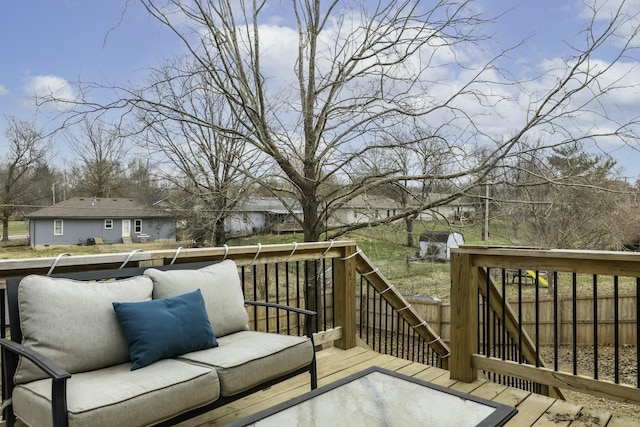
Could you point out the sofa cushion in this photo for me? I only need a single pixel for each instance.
(116, 396)
(247, 358)
(220, 286)
(162, 328)
(73, 322)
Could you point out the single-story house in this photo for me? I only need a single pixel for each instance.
(86, 220)
(365, 208)
(264, 214)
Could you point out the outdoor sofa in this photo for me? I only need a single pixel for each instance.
(155, 347)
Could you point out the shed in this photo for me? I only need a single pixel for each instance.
(436, 245)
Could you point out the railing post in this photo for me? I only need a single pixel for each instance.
(345, 297)
(464, 317)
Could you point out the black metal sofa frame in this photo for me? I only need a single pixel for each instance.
(12, 348)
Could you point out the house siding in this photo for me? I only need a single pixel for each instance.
(77, 231)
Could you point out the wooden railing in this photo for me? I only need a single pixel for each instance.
(323, 276)
(487, 334)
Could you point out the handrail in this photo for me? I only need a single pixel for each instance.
(242, 255)
(366, 268)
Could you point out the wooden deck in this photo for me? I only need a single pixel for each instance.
(333, 364)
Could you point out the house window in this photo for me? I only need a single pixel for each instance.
(108, 224)
(57, 227)
(137, 226)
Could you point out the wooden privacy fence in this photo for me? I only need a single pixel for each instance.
(438, 315)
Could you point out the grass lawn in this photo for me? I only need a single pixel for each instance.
(386, 246)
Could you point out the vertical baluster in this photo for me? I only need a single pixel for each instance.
(277, 280)
(386, 327)
(288, 294)
(574, 302)
(537, 321)
(266, 295)
(380, 323)
(520, 357)
(556, 328)
(399, 332)
(504, 314)
(616, 331)
(255, 295)
(488, 317)
(637, 332)
(408, 335)
(299, 303)
(333, 292)
(362, 305)
(324, 293)
(367, 311)
(595, 326)
(373, 315)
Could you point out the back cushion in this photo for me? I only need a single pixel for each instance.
(220, 287)
(73, 322)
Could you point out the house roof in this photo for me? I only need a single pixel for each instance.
(100, 207)
(270, 204)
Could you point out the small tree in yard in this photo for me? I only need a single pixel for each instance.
(211, 170)
(100, 152)
(27, 150)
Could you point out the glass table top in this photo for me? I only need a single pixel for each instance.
(377, 397)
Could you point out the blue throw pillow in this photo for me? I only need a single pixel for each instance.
(162, 328)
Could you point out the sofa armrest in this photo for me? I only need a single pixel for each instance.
(309, 314)
(50, 368)
(56, 373)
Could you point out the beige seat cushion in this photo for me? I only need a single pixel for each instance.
(118, 397)
(73, 322)
(247, 358)
(220, 287)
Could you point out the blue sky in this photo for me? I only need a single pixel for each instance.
(49, 42)
(88, 40)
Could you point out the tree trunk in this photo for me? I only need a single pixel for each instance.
(5, 227)
(408, 222)
(220, 232)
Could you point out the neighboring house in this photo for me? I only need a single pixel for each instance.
(362, 209)
(272, 215)
(264, 214)
(365, 208)
(85, 220)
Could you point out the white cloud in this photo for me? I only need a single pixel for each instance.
(3, 90)
(52, 89)
(626, 15)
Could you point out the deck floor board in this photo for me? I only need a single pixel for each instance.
(334, 364)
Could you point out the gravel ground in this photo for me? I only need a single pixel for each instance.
(606, 366)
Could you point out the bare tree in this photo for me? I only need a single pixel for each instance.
(359, 73)
(564, 198)
(213, 170)
(417, 153)
(27, 150)
(101, 156)
(362, 71)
